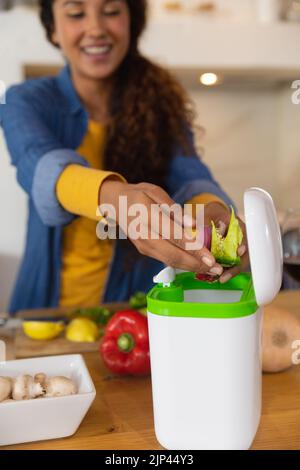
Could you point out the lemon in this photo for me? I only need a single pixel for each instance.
(82, 330)
(42, 330)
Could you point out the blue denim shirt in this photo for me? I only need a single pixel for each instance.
(44, 122)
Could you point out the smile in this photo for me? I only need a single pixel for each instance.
(97, 51)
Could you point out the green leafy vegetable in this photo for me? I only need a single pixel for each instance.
(225, 248)
(138, 300)
(99, 315)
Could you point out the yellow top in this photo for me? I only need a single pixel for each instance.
(85, 258)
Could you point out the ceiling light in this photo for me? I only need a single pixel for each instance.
(209, 79)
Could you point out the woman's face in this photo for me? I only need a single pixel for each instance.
(94, 35)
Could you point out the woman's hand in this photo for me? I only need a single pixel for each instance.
(219, 213)
(171, 251)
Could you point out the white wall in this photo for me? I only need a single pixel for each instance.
(289, 150)
(21, 41)
(251, 137)
(241, 138)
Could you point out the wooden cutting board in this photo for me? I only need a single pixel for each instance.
(27, 347)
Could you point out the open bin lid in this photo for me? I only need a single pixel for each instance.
(264, 244)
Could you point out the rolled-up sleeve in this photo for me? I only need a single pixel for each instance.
(47, 172)
(37, 154)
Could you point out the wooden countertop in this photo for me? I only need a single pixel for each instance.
(121, 415)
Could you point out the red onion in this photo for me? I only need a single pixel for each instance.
(206, 277)
(207, 236)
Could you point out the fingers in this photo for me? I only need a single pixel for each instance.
(206, 260)
(171, 224)
(241, 250)
(159, 196)
(231, 272)
(169, 254)
(203, 255)
(218, 213)
(171, 250)
(174, 250)
(164, 249)
(243, 253)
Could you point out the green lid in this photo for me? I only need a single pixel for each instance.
(174, 301)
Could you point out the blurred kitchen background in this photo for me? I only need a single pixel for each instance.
(237, 59)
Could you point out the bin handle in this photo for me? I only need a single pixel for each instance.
(165, 277)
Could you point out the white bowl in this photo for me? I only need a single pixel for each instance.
(46, 418)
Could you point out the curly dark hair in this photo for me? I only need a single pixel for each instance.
(150, 112)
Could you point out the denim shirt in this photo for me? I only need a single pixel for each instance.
(44, 122)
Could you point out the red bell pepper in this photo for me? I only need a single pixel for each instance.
(125, 345)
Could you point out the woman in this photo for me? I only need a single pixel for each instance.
(110, 124)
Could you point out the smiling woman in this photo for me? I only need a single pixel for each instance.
(112, 124)
(95, 55)
(131, 86)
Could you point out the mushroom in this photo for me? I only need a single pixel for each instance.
(60, 387)
(5, 388)
(40, 378)
(25, 388)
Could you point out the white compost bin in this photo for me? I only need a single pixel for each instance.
(205, 343)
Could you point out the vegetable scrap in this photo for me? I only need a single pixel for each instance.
(224, 248)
